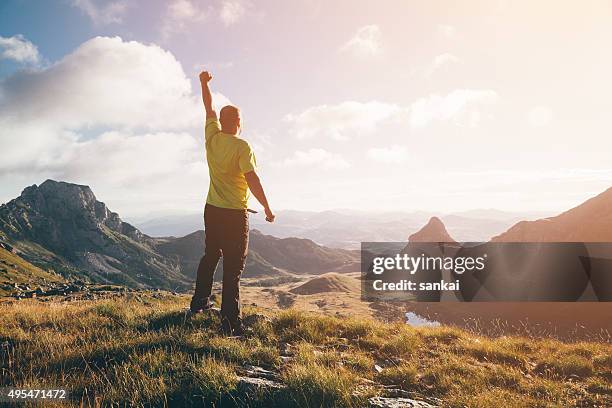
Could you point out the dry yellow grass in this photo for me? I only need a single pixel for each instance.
(146, 352)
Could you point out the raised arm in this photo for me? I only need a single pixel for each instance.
(205, 78)
(256, 188)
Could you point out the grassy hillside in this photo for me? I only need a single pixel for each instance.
(15, 270)
(142, 350)
(301, 255)
(188, 250)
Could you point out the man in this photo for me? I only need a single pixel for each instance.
(231, 165)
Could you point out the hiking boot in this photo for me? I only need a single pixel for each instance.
(229, 329)
(195, 309)
(238, 330)
(226, 328)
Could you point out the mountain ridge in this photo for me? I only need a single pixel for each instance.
(62, 227)
(590, 221)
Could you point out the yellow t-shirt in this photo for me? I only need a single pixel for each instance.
(229, 158)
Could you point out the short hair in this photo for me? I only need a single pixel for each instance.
(228, 116)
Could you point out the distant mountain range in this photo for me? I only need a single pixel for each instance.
(562, 271)
(348, 228)
(590, 221)
(63, 227)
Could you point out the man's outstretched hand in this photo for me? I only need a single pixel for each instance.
(269, 215)
(205, 77)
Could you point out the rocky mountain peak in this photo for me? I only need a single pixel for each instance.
(433, 231)
(61, 199)
(55, 206)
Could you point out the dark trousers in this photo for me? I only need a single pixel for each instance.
(227, 235)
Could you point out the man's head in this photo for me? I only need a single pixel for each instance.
(230, 119)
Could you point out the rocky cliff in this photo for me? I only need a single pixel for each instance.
(62, 226)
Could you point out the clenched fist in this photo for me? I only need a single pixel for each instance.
(269, 215)
(205, 77)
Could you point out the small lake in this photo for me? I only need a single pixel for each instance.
(415, 320)
(564, 320)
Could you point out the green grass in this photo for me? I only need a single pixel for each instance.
(128, 352)
(316, 385)
(15, 269)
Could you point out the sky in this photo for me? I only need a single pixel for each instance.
(379, 106)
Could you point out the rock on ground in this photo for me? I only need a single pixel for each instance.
(386, 402)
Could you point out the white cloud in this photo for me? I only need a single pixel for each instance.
(367, 42)
(316, 157)
(442, 61)
(540, 116)
(184, 10)
(349, 119)
(105, 82)
(446, 30)
(179, 14)
(112, 114)
(341, 121)
(458, 105)
(130, 158)
(388, 155)
(18, 48)
(232, 11)
(112, 12)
